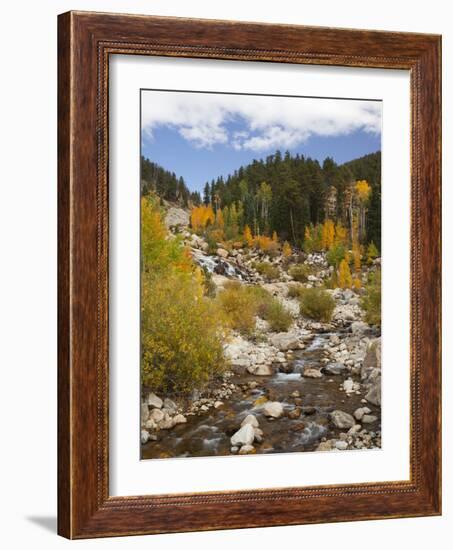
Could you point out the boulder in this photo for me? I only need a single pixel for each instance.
(341, 445)
(154, 401)
(312, 373)
(144, 436)
(285, 341)
(295, 413)
(156, 415)
(169, 404)
(179, 419)
(244, 436)
(374, 393)
(342, 420)
(273, 409)
(260, 370)
(324, 446)
(334, 368)
(360, 412)
(222, 253)
(348, 385)
(177, 216)
(247, 450)
(150, 424)
(372, 360)
(250, 419)
(369, 419)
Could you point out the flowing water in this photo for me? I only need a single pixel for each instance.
(209, 434)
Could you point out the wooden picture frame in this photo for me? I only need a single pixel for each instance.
(85, 42)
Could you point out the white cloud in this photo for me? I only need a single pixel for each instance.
(267, 123)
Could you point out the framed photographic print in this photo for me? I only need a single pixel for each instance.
(249, 275)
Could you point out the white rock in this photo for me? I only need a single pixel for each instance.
(273, 409)
(156, 415)
(342, 419)
(312, 373)
(154, 401)
(348, 385)
(150, 424)
(369, 418)
(285, 341)
(341, 445)
(179, 419)
(144, 437)
(244, 436)
(250, 419)
(260, 370)
(222, 253)
(360, 412)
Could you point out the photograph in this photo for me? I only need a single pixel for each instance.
(260, 304)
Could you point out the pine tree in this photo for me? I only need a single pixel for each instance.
(207, 194)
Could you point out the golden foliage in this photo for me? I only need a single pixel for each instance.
(356, 256)
(201, 217)
(159, 254)
(181, 334)
(356, 283)
(181, 329)
(287, 250)
(363, 190)
(266, 244)
(341, 234)
(248, 237)
(328, 234)
(344, 276)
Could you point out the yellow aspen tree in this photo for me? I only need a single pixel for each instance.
(287, 250)
(356, 283)
(275, 237)
(248, 236)
(341, 234)
(327, 234)
(344, 276)
(363, 190)
(356, 256)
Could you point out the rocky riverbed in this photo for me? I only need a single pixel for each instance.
(315, 387)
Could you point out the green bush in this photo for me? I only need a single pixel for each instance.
(294, 290)
(278, 317)
(371, 302)
(240, 306)
(181, 334)
(242, 303)
(267, 270)
(317, 304)
(335, 255)
(300, 272)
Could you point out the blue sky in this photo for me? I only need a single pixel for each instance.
(200, 136)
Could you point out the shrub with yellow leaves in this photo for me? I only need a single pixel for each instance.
(344, 275)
